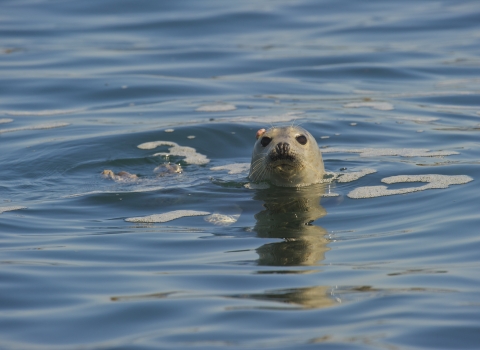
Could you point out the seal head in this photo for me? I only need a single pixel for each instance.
(286, 156)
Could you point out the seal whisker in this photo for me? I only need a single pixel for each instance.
(258, 165)
(260, 160)
(258, 171)
(261, 176)
(261, 171)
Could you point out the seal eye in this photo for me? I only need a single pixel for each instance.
(302, 139)
(265, 141)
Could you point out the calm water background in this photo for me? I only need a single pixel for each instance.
(396, 272)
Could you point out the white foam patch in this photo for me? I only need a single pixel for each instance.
(222, 220)
(5, 120)
(42, 113)
(165, 217)
(458, 81)
(349, 177)
(434, 93)
(416, 119)
(433, 181)
(138, 189)
(287, 117)
(329, 177)
(368, 92)
(220, 107)
(190, 154)
(169, 130)
(259, 186)
(330, 194)
(155, 144)
(75, 195)
(381, 106)
(236, 168)
(453, 107)
(4, 209)
(35, 127)
(402, 152)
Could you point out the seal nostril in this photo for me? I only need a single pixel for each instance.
(278, 148)
(282, 148)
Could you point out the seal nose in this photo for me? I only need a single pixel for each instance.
(282, 148)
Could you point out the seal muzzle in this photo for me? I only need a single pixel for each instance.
(281, 152)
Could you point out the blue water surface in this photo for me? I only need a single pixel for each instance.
(84, 83)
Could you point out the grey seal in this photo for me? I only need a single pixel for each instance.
(286, 156)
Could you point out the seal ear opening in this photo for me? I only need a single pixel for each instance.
(260, 133)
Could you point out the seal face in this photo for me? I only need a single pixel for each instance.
(286, 156)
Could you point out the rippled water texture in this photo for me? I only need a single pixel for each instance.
(173, 247)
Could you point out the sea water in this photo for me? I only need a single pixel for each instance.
(384, 255)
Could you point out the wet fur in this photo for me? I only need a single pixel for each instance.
(301, 166)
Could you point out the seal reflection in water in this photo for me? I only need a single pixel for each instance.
(290, 157)
(288, 215)
(286, 156)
